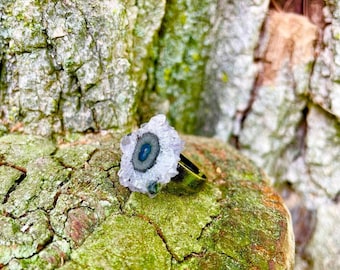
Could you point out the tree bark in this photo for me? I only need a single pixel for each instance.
(74, 65)
(62, 206)
(229, 69)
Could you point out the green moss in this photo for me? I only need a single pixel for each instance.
(232, 166)
(337, 36)
(181, 61)
(106, 159)
(75, 156)
(27, 21)
(8, 177)
(181, 234)
(54, 253)
(70, 137)
(145, 52)
(167, 74)
(209, 261)
(225, 77)
(15, 226)
(38, 188)
(248, 226)
(13, 114)
(23, 245)
(20, 150)
(83, 215)
(70, 64)
(119, 243)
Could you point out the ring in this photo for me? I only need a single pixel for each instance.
(151, 158)
(189, 178)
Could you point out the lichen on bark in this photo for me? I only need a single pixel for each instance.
(230, 71)
(77, 66)
(182, 52)
(89, 61)
(68, 210)
(47, 210)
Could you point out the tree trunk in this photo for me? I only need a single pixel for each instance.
(62, 205)
(75, 65)
(237, 70)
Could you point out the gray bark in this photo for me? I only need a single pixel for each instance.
(285, 117)
(228, 69)
(74, 65)
(62, 206)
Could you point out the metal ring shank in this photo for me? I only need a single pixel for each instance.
(189, 179)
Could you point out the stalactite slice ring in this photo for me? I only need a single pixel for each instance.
(152, 158)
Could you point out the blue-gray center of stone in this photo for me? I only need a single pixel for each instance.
(146, 152)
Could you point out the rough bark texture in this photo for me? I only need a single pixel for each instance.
(230, 72)
(74, 65)
(63, 206)
(183, 52)
(230, 69)
(291, 125)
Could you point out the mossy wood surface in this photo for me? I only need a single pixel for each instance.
(62, 206)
